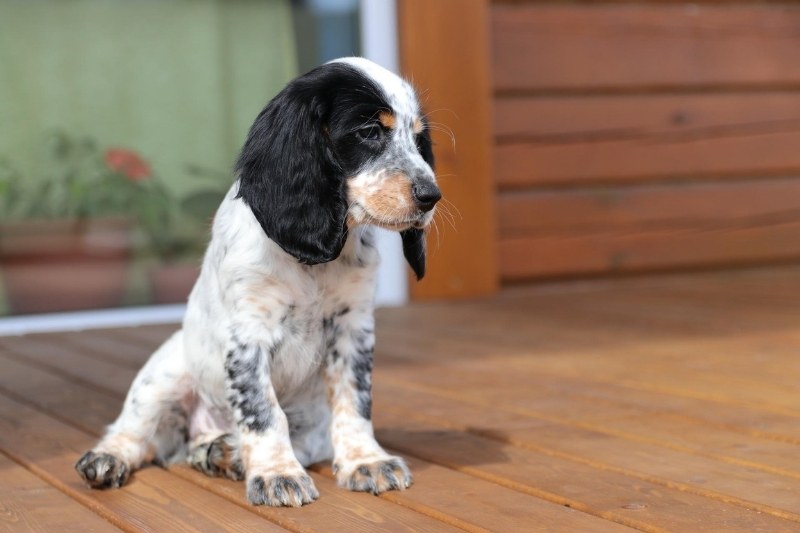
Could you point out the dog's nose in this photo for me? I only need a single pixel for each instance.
(426, 194)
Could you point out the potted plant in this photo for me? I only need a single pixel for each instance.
(65, 237)
(173, 274)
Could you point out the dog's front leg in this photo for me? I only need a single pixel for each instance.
(274, 475)
(359, 461)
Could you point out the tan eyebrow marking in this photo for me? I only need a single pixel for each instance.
(387, 119)
(418, 126)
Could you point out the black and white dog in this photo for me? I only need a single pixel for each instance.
(272, 368)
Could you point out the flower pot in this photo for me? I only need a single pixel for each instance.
(171, 283)
(64, 265)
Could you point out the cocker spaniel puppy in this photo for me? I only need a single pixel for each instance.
(271, 370)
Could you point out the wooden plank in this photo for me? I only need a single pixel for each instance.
(337, 509)
(154, 500)
(497, 416)
(465, 222)
(611, 494)
(618, 434)
(100, 346)
(626, 45)
(771, 153)
(225, 486)
(107, 376)
(647, 249)
(154, 335)
(453, 497)
(488, 505)
(565, 118)
(81, 405)
(29, 504)
(625, 229)
(584, 211)
(434, 405)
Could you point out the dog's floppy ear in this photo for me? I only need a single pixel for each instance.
(414, 250)
(414, 239)
(289, 176)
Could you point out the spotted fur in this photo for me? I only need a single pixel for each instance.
(272, 369)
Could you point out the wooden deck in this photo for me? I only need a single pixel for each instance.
(659, 404)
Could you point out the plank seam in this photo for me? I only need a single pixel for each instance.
(278, 520)
(91, 352)
(18, 461)
(398, 499)
(786, 515)
(21, 359)
(645, 89)
(87, 501)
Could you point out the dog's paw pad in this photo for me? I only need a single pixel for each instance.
(282, 490)
(377, 477)
(102, 471)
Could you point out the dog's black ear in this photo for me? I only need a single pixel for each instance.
(414, 239)
(414, 250)
(289, 175)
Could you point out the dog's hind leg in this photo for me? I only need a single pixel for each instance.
(152, 422)
(218, 457)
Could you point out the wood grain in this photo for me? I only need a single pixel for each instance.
(697, 205)
(662, 403)
(628, 229)
(636, 45)
(636, 250)
(461, 250)
(49, 448)
(593, 100)
(567, 118)
(647, 160)
(29, 504)
(86, 407)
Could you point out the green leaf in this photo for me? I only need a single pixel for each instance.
(203, 204)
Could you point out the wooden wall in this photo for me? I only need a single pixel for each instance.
(644, 136)
(444, 51)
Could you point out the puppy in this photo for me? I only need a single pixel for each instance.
(272, 368)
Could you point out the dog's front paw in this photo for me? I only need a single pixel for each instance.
(102, 471)
(281, 490)
(375, 477)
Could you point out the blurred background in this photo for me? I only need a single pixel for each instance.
(573, 139)
(120, 123)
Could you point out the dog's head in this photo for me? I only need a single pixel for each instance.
(343, 145)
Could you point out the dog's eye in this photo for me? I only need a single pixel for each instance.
(373, 132)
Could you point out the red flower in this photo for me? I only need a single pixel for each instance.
(127, 163)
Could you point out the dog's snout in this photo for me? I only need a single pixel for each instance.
(426, 194)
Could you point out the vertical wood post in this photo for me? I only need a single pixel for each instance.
(444, 51)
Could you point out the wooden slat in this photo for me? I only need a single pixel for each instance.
(641, 250)
(662, 403)
(600, 433)
(29, 504)
(626, 229)
(216, 485)
(155, 500)
(607, 46)
(647, 160)
(478, 503)
(84, 406)
(563, 118)
(466, 215)
(603, 492)
(700, 206)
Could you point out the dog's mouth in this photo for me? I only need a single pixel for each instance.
(360, 215)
